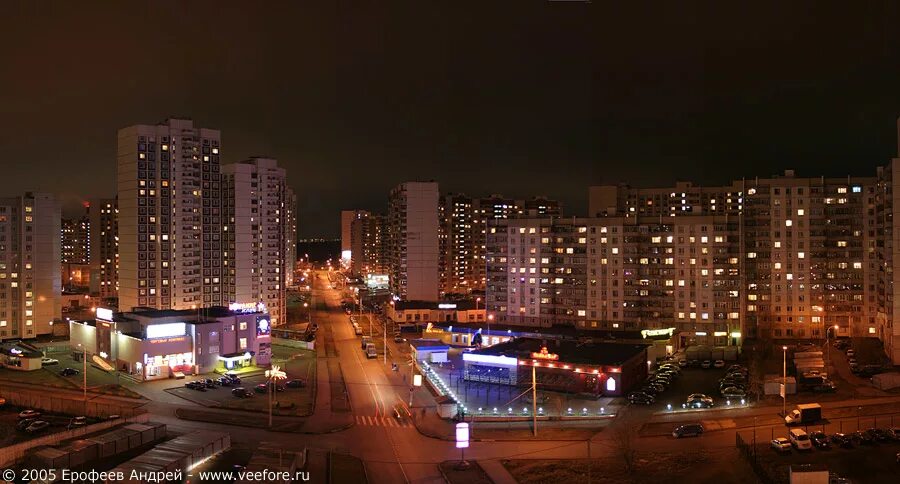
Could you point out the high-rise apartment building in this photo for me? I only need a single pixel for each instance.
(290, 235)
(463, 227)
(103, 216)
(170, 216)
(75, 240)
(256, 235)
(347, 217)
(30, 280)
(369, 244)
(414, 258)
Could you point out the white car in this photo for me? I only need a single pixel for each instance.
(719, 364)
(800, 439)
(781, 444)
(29, 414)
(49, 361)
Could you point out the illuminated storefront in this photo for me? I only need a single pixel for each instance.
(608, 369)
(157, 344)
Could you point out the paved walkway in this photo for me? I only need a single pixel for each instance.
(496, 471)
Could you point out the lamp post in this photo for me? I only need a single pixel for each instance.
(784, 383)
(308, 313)
(84, 374)
(273, 376)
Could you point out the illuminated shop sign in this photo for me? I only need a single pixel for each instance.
(165, 330)
(104, 313)
(262, 325)
(447, 306)
(657, 332)
(168, 340)
(247, 307)
(544, 355)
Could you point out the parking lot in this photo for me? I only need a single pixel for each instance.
(298, 364)
(9, 417)
(862, 463)
(692, 380)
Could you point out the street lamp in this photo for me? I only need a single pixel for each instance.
(784, 383)
(273, 376)
(308, 313)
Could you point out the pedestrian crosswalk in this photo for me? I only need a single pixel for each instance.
(369, 421)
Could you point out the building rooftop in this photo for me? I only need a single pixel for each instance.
(210, 312)
(20, 349)
(611, 354)
(428, 343)
(554, 332)
(448, 305)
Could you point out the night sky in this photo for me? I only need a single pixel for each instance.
(523, 98)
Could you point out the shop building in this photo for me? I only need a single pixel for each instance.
(416, 312)
(18, 355)
(152, 344)
(597, 369)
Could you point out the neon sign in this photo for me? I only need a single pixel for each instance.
(544, 355)
(657, 332)
(247, 307)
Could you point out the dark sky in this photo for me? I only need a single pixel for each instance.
(520, 98)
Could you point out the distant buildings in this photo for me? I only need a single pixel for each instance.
(30, 279)
(104, 237)
(369, 244)
(75, 240)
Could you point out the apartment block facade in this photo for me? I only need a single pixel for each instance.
(464, 223)
(291, 218)
(414, 251)
(170, 216)
(30, 279)
(369, 244)
(103, 215)
(75, 240)
(256, 233)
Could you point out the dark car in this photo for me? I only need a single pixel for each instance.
(820, 440)
(68, 372)
(226, 382)
(880, 435)
(37, 426)
(241, 392)
(261, 388)
(827, 387)
(688, 430)
(399, 339)
(843, 440)
(640, 398)
(210, 383)
(24, 423)
(295, 384)
(863, 437)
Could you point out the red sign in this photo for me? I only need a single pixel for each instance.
(544, 355)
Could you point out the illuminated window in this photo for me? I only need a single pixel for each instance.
(801, 255)
(800, 212)
(243, 342)
(857, 265)
(788, 223)
(243, 325)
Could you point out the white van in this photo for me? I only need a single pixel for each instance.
(800, 440)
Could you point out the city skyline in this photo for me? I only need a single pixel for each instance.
(554, 95)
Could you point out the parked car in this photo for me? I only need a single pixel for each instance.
(781, 444)
(225, 381)
(825, 387)
(863, 437)
(37, 426)
(261, 388)
(736, 367)
(399, 339)
(641, 398)
(24, 423)
(49, 361)
(295, 384)
(706, 364)
(210, 383)
(68, 372)
(851, 353)
(894, 432)
(652, 389)
(29, 414)
(688, 430)
(683, 363)
(800, 439)
(820, 440)
(77, 422)
(719, 364)
(733, 392)
(880, 435)
(699, 400)
(241, 392)
(842, 440)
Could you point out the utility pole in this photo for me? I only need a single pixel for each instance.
(784, 383)
(534, 398)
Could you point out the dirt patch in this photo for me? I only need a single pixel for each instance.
(718, 466)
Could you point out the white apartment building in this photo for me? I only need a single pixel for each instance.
(257, 234)
(30, 280)
(170, 216)
(414, 249)
(290, 235)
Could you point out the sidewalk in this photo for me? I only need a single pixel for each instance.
(496, 471)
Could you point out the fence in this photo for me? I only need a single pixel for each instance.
(14, 453)
(748, 451)
(292, 343)
(69, 402)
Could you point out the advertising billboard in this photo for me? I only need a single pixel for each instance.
(263, 326)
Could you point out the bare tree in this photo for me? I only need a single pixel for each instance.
(624, 432)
